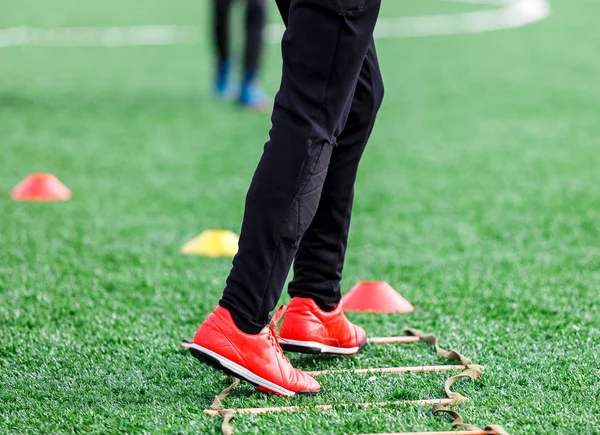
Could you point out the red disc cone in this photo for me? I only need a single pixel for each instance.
(41, 187)
(375, 297)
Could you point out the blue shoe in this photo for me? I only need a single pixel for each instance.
(223, 88)
(252, 97)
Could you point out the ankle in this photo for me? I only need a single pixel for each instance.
(244, 324)
(328, 305)
(249, 78)
(222, 73)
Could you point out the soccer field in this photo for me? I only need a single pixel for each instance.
(478, 199)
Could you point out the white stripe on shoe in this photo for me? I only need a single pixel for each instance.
(323, 347)
(243, 372)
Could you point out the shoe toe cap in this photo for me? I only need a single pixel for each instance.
(307, 383)
(359, 334)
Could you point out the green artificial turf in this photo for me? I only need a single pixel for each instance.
(478, 199)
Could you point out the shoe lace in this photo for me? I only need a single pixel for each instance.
(273, 335)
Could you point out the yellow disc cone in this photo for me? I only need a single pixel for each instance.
(212, 243)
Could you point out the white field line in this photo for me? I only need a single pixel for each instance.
(515, 14)
(98, 36)
(511, 14)
(484, 2)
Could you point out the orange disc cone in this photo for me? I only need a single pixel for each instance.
(375, 297)
(41, 187)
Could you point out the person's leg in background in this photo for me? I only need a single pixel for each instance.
(315, 288)
(221, 12)
(251, 94)
(324, 48)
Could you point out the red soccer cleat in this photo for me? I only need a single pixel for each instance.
(257, 359)
(308, 329)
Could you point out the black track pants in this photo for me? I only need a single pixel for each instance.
(254, 25)
(300, 199)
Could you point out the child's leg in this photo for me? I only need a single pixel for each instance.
(251, 93)
(323, 48)
(221, 9)
(255, 22)
(320, 258)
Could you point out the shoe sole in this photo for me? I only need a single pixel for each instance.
(314, 347)
(232, 369)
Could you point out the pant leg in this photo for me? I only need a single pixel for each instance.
(320, 258)
(284, 10)
(221, 10)
(323, 49)
(255, 23)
